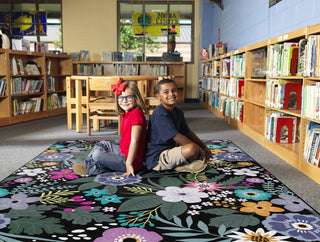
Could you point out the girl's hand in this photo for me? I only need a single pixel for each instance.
(130, 171)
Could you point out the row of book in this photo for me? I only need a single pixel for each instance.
(283, 59)
(283, 94)
(232, 108)
(91, 69)
(28, 106)
(311, 151)
(51, 84)
(210, 69)
(281, 128)
(233, 87)
(210, 83)
(295, 58)
(126, 69)
(311, 101)
(229, 107)
(56, 101)
(157, 70)
(226, 67)
(83, 55)
(238, 65)
(17, 67)
(21, 85)
(3, 87)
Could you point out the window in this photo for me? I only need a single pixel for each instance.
(153, 47)
(52, 28)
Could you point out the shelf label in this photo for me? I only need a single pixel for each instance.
(285, 37)
(279, 38)
(236, 51)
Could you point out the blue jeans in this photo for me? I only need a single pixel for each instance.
(105, 157)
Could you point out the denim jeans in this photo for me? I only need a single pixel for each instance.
(105, 157)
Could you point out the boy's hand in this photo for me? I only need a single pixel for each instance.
(130, 171)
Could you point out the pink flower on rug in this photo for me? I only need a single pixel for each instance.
(202, 186)
(64, 173)
(131, 234)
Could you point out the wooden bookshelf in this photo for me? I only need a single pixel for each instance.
(60, 66)
(107, 68)
(255, 108)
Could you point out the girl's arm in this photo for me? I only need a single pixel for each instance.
(136, 131)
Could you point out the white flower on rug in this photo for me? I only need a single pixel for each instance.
(31, 172)
(186, 194)
(245, 171)
(259, 235)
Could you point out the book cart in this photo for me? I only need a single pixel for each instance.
(120, 68)
(29, 94)
(258, 74)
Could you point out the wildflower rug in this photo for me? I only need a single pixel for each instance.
(233, 199)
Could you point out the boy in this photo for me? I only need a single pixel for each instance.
(170, 142)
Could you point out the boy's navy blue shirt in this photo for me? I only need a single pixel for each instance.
(163, 127)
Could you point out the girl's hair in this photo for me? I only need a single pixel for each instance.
(133, 88)
(160, 83)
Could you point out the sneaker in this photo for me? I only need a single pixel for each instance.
(194, 167)
(79, 168)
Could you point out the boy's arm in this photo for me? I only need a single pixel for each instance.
(195, 139)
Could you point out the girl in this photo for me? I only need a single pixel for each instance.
(128, 156)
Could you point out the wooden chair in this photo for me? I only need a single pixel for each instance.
(101, 102)
(76, 101)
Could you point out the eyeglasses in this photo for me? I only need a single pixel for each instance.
(128, 98)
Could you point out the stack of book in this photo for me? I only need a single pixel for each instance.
(3, 87)
(311, 145)
(283, 59)
(311, 101)
(283, 94)
(28, 106)
(55, 101)
(281, 128)
(232, 108)
(51, 84)
(126, 69)
(23, 86)
(238, 65)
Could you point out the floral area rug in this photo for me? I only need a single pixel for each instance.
(233, 199)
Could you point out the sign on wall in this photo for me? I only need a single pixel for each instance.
(155, 23)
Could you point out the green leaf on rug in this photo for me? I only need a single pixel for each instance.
(170, 181)
(140, 203)
(85, 216)
(170, 209)
(234, 221)
(31, 211)
(37, 225)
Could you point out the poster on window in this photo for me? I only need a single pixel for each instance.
(155, 23)
(29, 23)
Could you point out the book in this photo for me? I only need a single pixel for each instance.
(75, 56)
(204, 54)
(32, 69)
(84, 55)
(128, 56)
(117, 56)
(106, 55)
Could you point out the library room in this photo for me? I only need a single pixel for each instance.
(152, 120)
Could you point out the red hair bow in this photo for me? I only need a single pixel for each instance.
(118, 88)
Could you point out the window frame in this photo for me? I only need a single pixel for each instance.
(168, 7)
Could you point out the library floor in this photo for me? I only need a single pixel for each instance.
(20, 143)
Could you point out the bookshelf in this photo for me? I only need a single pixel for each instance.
(261, 69)
(120, 68)
(26, 92)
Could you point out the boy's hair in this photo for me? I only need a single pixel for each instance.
(133, 88)
(160, 83)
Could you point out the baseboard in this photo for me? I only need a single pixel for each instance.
(191, 100)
